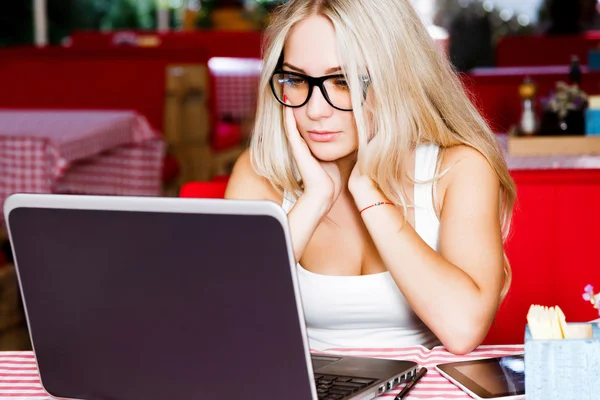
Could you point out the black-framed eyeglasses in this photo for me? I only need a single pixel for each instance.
(298, 88)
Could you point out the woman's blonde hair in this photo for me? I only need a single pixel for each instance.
(416, 98)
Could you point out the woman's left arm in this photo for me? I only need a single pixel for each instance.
(455, 291)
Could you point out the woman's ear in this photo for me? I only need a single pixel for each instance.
(368, 117)
(373, 137)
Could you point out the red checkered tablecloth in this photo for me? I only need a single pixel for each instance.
(236, 85)
(86, 152)
(19, 374)
(236, 95)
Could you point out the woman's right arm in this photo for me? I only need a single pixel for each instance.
(303, 219)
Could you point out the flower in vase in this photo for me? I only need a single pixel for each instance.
(566, 98)
(594, 299)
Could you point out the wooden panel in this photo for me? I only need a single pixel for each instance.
(554, 145)
(195, 161)
(187, 117)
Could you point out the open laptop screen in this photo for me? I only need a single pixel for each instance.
(139, 305)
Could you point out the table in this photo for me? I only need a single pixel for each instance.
(19, 374)
(85, 152)
(554, 162)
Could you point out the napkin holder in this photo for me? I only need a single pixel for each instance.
(564, 368)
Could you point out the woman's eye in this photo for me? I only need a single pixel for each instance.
(341, 83)
(293, 81)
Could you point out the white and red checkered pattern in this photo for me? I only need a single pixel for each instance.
(236, 95)
(86, 152)
(126, 170)
(236, 85)
(19, 376)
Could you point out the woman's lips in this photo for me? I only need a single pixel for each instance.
(323, 136)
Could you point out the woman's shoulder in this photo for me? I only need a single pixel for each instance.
(463, 154)
(461, 168)
(246, 184)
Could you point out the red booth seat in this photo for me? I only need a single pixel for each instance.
(552, 248)
(212, 43)
(116, 78)
(226, 135)
(206, 190)
(545, 50)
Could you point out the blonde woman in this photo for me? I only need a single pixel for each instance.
(396, 191)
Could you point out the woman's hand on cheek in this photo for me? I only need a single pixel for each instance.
(321, 180)
(359, 182)
(363, 189)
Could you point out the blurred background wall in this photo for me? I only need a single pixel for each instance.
(474, 26)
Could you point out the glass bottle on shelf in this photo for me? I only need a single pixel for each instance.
(528, 123)
(575, 72)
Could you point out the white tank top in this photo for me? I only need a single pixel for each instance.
(369, 311)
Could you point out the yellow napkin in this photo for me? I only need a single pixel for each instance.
(594, 102)
(546, 322)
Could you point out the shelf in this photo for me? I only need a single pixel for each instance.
(553, 145)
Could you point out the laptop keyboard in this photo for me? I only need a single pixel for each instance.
(331, 387)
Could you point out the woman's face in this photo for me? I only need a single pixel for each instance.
(311, 50)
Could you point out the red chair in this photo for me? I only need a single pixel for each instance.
(207, 190)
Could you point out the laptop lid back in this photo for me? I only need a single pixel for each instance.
(140, 298)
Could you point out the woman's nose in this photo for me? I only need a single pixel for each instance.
(317, 107)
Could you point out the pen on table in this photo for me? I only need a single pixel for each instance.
(411, 384)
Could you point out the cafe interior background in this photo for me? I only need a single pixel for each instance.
(157, 97)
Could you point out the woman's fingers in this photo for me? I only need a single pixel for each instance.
(314, 175)
(291, 128)
(300, 149)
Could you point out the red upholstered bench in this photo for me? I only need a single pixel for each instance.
(545, 49)
(207, 190)
(552, 248)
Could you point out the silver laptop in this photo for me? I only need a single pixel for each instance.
(163, 298)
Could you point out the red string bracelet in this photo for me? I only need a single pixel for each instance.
(379, 203)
